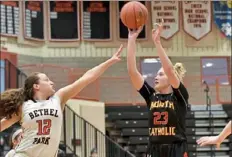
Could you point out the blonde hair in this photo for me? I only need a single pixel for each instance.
(180, 71)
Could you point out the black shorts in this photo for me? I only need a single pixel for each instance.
(168, 150)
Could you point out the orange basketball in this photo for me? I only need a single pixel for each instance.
(134, 14)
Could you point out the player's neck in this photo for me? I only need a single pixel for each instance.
(40, 97)
(165, 91)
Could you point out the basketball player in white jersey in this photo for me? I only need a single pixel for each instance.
(14, 141)
(41, 113)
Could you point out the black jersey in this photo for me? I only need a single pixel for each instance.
(166, 117)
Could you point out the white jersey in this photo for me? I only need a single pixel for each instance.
(41, 123)
(11, 153)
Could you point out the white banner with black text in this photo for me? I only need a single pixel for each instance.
(197, 18)
(169, 12)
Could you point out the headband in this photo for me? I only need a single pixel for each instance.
(16, 133)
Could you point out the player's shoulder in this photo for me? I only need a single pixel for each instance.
(55, 98)
(28, 102)
(28, 105)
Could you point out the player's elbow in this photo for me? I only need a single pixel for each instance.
(88, 77)
(173, 79)
(169, 70)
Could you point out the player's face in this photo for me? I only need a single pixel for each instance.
(161, 80)
(45, 85)
(18, 139)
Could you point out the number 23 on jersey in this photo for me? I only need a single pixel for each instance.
(160, 118)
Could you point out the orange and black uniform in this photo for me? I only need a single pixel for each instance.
(166, 120)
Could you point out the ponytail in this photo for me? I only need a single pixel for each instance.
(180, 71)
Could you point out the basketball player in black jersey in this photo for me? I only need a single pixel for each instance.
(167, 101)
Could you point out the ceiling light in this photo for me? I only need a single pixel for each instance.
(209, 64)
(145, 76)
(151, 60)
(225, 83)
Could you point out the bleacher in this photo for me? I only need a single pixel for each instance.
(128, 126)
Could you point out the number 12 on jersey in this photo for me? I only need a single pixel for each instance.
(44, 126)
(158, 116)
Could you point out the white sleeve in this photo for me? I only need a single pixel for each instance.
(11, 153)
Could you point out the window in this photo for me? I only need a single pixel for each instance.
(213, 68)
(149, 68)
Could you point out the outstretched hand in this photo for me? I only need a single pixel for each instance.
(157, 31)
(117, 55)
(209, 140)
(133, 34)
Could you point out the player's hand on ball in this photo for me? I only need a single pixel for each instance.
(116, 57)
(133, 34)
(209, 140)
(158, 27)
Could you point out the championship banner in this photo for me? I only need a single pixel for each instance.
(169, 11)
(197, 18)
(222, 16)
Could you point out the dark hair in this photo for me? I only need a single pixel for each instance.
(12, 99)
(28, 86)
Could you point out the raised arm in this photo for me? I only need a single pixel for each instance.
(136, 78)
(89, 77)
(217, 140)
(165, 61)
